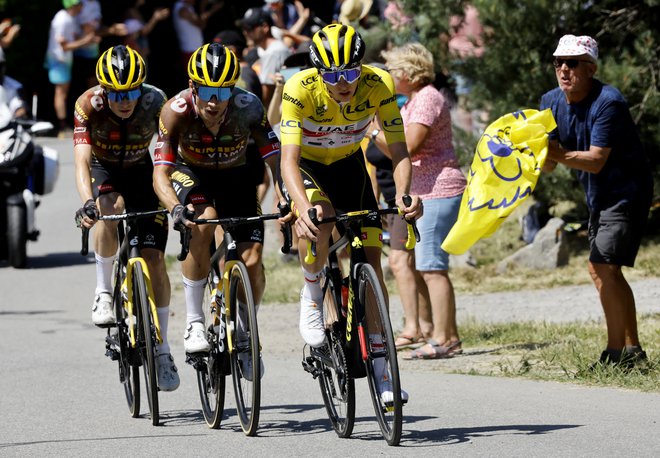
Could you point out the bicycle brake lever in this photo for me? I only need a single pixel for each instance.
(186, 235)
(285, 209)
(85, 241)
(310, 257)
(407, 201)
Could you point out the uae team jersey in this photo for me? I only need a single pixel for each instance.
(116, 141)
(328, 131)
(183, 137)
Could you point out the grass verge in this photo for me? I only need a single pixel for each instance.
(553, 352)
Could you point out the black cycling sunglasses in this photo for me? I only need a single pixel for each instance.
(570, 63)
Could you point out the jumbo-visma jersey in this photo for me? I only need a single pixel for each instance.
(328, 131)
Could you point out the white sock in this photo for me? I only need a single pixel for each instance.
(312, 291)
(104, 274)
(194, 293)
(163, 319)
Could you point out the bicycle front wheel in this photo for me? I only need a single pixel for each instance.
(129, 373)
(337, 388)
(381, 362)
(210, 375)
(146, 340)
(245, 355)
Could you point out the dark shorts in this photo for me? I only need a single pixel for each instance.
(135, 184)
(232, 192)
(615, 235)
(346, 185)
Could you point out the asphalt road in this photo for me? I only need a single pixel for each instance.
(60, 396)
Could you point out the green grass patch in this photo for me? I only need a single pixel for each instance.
(555, 352)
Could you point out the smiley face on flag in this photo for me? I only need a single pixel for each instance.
(505, 169)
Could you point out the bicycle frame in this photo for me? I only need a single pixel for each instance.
(129, 256)
(230, 259)
(358, 256)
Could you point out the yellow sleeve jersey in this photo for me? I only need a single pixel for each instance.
(328, 131)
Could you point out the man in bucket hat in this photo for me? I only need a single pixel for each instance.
(596, 136)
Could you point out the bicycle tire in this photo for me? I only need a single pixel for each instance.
(129, 374)
(337, 388)
(247, 385)
(210, 378)
(147, 340)
(389, 416)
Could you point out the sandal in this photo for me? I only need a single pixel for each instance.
(433, 350)
(403, 341)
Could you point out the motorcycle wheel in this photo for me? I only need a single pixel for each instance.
(16, 236)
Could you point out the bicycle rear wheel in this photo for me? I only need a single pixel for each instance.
(337, 388)
(146, 340)
(245, 356)
(129, 374)
(370, 295)
(210, 376)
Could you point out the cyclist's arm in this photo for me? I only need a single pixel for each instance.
(82, 149)
(296, 189)
(402, 175)
(165, 158)
(83, 161)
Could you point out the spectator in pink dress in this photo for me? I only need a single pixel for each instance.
(438, 180)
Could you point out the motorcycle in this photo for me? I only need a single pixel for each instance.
(27, 171)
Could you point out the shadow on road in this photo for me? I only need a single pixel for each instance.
(51, 260)
(449, 436)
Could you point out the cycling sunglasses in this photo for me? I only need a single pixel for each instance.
(206, 93)
(118, 96)
(350, 76)
(570, 63)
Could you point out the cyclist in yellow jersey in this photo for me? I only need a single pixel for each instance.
(326, 112)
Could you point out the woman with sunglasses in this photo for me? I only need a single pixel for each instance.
(326, 112)
(202, 166)
(114, 123)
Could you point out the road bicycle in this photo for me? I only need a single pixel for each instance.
(132, 339)
(354, 310)
(231, 328)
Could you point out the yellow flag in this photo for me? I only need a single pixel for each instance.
(506, 166)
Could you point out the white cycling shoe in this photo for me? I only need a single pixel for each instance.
(311, 326)
(168, 374)
(102, 313)
(194, 339)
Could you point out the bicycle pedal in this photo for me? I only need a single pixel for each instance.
(112, 354)
(196, 360)
(309, 366)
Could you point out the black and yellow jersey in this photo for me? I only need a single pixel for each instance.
(328, 131)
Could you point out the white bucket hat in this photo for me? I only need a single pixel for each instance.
(570, 45)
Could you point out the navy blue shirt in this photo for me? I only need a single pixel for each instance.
(603, 119)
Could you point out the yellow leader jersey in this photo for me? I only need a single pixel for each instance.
(328, 131)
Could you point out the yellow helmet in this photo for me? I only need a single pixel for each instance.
(214, 65)
(120, 68)
(336, 47)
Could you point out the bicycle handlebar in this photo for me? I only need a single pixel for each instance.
(186, 234)
(84, 250)
(413, 233)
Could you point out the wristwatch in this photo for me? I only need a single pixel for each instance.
(375, 133)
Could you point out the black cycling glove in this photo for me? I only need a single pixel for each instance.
(88, 209)
(180, 214)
